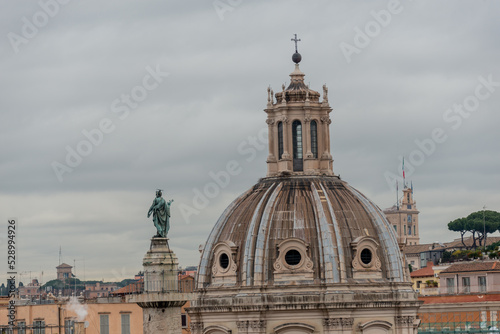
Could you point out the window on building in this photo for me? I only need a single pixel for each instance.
(450, 285)
(184, 320)
(39, 327)
(22, 327)
(409, 218)
(314, 139)
(297, 146)
(69, 326)
(408, 206)
(481, 280)
(104, 323)
(466, 284)
(405, 229)
(297, 139)
(280, 140)
(409, 230)
(412, 263)
(125, 323)
(408, 197)
(418, 284)
(395, 227)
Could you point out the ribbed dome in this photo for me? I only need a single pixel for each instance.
(301, 230)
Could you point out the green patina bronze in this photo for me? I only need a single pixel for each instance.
(161, 214)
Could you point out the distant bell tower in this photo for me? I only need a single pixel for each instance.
(299, 137)
(404, 218)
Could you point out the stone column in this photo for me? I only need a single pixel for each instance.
(325, 121)
(161, 301)
(404, 324)
(272, 154)
(160, 267)
(273, 157)
(286, 138)
(306, 137)
(326, 157)
(285, 164)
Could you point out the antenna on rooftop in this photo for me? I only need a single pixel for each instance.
(60, 254)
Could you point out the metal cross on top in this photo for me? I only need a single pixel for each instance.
(295, 40)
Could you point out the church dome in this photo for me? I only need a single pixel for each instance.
(302, 252)
(301, 224)
(301, 230)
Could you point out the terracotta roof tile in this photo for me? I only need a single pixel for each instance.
(424, 272)
(413, 249)
(472, 266)
(131, 288)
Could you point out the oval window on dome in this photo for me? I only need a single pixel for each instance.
(293, 257)
(224, 260)
(366, 256)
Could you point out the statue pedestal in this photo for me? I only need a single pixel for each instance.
(160, 267)
(161, 301)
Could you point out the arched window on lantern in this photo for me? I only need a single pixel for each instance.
(314, 139)
(297, 146)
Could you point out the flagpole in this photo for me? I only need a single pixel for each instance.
(404, 179)
(397, 196)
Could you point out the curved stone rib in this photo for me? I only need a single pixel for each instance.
(249, 245)
(336, 229)
(330, 259)
(391, 253)
(263, 237)
(204, 267)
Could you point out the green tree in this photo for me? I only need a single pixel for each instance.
(484, 222)
(479, 224)
(460, 225)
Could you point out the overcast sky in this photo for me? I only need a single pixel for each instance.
(170, 92)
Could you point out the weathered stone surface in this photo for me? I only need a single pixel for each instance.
(161, 301)
(162, 320)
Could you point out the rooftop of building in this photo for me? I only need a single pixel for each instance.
(473, 266)
(458, 299)
(424, 272)
(135, 287)
(415, 249)
(457, 243)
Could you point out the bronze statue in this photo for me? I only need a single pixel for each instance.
(161, 214)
